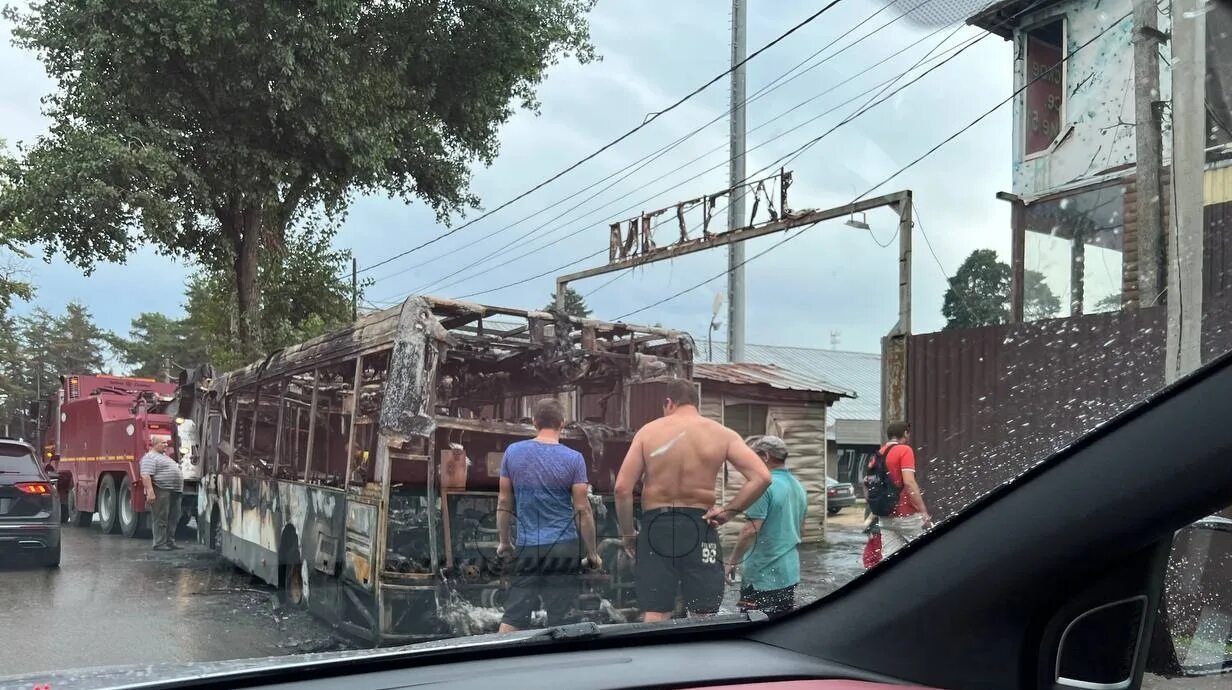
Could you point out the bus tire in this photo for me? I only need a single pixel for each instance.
(181, 528)
(107, 505)
(215, 540)
(80, 518)
(130, 519)
(291, 570)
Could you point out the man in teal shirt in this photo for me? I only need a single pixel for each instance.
(767, 547)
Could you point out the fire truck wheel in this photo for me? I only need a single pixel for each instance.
(81, 518)
(108, 496)
(130, 519)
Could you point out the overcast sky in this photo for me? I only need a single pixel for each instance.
(833, 278)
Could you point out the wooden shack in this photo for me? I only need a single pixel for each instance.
(755, 399)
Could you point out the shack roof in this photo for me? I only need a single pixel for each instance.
(768, 375)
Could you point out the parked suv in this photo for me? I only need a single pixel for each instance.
(29, 506)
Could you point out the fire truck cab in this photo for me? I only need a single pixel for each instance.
(97, 428)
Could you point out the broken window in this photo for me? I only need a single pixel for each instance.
(241, 425)
(372, 376)
(1074, 254)
(745, 419)
(296, 409)
(1044, 100)
(331, 429)
(265, 425)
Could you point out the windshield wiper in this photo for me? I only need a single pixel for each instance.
(588, 630)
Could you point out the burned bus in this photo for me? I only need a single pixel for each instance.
(359, 471)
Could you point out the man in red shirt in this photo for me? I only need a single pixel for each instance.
(910, 518)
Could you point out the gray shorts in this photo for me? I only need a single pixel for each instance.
(897, 531)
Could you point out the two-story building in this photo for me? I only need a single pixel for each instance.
(987, 403)
(1074, 183)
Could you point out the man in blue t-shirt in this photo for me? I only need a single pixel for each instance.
(543, 488)
(768, 542)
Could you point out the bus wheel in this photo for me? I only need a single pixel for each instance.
(107, 500)
(130, 519)
(215, 530)
(292, 570)
(293, 592)
(81, 518)
(181, 529)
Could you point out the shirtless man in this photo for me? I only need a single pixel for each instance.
(677, 458)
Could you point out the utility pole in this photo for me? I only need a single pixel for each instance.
(354, 289)
(1149, 156)
(167, 368)
(1184, 340)
(735, 211)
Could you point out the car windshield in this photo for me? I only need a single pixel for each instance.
(330, 326)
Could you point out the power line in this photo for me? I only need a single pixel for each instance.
(779, 82)
(945, 141)
(483, 260)
(637, 166)
(871, 103)
(612, 143)
(795, 153)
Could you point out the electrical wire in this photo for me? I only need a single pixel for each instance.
(612, 143)
(782, 80)
(901, 170)
(636, 167)
(484, 260)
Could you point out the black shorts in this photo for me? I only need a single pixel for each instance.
(678, 552)
(769, 602)
(547, 573)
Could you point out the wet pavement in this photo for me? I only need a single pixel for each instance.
(114, 601)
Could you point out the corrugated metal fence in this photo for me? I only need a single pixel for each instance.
(987, 403)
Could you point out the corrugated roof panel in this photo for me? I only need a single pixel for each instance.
(855, 371)
(748, 373)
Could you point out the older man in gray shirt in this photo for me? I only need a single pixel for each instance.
(163, 485)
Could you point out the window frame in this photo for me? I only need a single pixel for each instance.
(1062, 127)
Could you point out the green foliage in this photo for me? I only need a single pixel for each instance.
(35, 350)
(159, 346)
(979, 293)
(575, 304)
(306, 297)
(1038, 300)
(203, 126)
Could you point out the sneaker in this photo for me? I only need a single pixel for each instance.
(173, 547)
(162, 548)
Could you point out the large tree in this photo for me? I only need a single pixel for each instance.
(979, 293)
(306, 295)
(203, 126)
(575, 304)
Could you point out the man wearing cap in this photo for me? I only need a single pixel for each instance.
(767, 547)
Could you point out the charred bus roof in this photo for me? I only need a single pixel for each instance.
(481, 354)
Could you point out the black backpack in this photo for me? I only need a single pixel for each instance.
(879, 489)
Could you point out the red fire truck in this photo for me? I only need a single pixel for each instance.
(96, 429)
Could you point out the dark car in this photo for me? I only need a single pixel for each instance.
(29, 507)
(839, 495)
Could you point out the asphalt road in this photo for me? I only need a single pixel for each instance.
(114, 601)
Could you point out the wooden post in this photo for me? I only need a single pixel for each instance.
(1149, 157)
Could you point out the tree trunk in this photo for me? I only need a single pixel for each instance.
(246, 239)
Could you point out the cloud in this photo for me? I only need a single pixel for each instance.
(831, 278)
